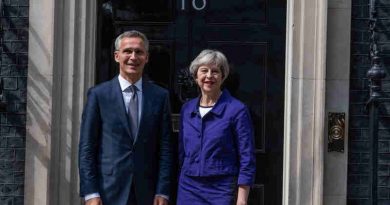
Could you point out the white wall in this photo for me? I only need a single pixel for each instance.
(61, 67)
(337, 97)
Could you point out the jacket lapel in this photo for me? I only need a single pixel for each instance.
(118, 103)
(147, 106)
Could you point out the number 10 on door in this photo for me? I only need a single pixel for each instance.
(196, 4)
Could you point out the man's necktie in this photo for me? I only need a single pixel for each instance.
(133, 111)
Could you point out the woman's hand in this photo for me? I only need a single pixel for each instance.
(242, 196)
(241, 202)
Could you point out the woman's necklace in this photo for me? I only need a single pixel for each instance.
(210, 104)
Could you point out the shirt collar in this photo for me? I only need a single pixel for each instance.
(125, 84)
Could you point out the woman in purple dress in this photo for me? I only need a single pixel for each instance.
(216, 149)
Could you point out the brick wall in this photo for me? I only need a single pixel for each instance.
(13, 72)
(359, 151)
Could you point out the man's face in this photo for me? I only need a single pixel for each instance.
(132, 57)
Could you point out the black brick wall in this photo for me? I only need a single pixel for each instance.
(13, 72)
(359, 151)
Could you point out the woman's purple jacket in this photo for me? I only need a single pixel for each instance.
(220, 143)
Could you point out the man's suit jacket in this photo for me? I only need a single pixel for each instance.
(109, 159)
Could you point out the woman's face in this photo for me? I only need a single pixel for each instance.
(209, 78)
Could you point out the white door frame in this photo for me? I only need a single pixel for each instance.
(61, 54)
(304, 102)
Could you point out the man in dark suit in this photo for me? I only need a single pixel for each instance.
(125, 153)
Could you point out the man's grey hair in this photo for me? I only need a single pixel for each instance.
(210, 57)
(132, 34)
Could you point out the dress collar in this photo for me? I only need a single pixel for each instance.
(217, 109)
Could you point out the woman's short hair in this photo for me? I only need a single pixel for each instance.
(131, 34)
(210, 57)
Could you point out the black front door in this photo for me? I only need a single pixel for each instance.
(251, 33)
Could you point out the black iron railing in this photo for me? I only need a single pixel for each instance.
(375, 75)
